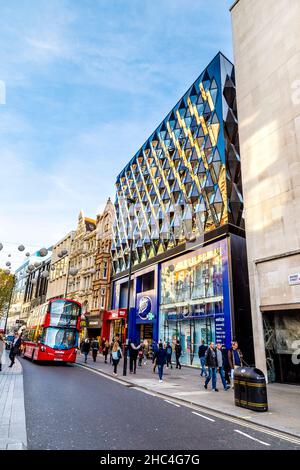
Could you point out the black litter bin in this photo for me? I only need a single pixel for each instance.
(250, 390)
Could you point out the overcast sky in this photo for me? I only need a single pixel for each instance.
(87, 81)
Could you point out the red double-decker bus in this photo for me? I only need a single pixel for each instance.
(52, 331)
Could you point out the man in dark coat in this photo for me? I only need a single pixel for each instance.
(212, 365)
(178, 350)
(86, 349)
(95, 348)
(15, 347)
(201, 353)
(133, 354)
(160, 359)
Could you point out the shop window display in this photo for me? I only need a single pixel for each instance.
(191, 302)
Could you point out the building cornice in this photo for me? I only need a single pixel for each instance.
(234, 4)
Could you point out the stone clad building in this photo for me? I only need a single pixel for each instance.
(82, 257)
(101, 279)
(57, 286)
(267, 63)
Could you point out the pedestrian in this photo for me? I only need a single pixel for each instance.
(117, 338)
(86, 349)
(146, 351)
(154, 351)
(212, 364)
(169, 351)
(226, 363)
(105, 350)
(178, 350)
(235, 358)
(110, 351)
(220, 366)
(133, 355)
(14, 350)
(141, 355)
(201, 353)
(95, 348)
(2, 347)
(160, 359)
(116, 356)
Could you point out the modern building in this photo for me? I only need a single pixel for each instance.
(266, 52)
(179, 207)
(59, 270)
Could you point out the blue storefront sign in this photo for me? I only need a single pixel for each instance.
(146, 307)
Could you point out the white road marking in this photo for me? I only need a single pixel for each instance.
(171, 403)
(202, 416)
(253, 438)
(238, 421)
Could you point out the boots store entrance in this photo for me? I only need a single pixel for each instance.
(282, 334)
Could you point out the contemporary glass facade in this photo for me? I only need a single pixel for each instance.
(187, 171)
(193, 300)
(179, 206)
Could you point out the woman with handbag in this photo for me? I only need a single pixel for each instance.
(116, 356)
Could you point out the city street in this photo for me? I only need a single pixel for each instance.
(68, 407)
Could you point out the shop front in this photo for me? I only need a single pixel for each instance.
(114, 323)
(143, 318)
(195, 300)
(282, 333)
(93, 326)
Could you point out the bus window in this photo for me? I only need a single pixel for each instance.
(58, 338)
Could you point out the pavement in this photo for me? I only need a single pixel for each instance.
(69, 407)
(186, 386)
(12, 412)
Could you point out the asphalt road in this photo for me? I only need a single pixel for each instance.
(68, 407)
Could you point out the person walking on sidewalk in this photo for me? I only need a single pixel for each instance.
(160, 359)
(116, 356)
(105, 349)
(95, 349)
(141, 355)
(220, 366)
(212, 364)
(169, 351)
(2, 347)
(201, 353)
(178, 350)
(110, 351)
(226, 363)
(133, 354)
(86, 349)
(235, 358)
(154, 351)
(15, 347)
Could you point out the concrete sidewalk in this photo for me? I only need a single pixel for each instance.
(187, 385)
(12, 411)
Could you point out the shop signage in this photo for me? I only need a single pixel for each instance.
(116, 314)
(146, 307)
(93, 322)
(294, 279)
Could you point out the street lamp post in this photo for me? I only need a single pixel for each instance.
(130, 239)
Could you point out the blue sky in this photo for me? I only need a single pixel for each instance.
(87, 81)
